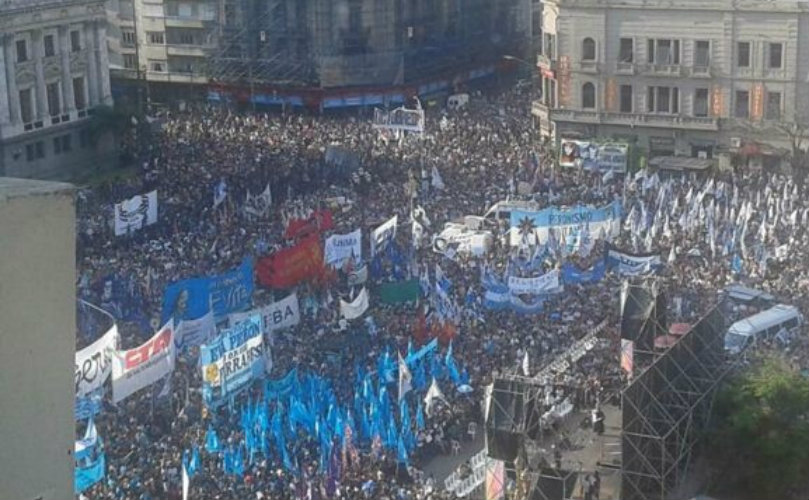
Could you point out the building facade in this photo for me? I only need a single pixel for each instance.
(312, 43)
(709, 78)
(37, 338)
(55, 65)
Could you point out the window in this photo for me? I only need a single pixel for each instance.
(662, 99)
(549, 45)
(701, 102)
(130, 61)
(702, 53)
(664, 52)
(743, 54)
(78, 93)
(626, 50)
(773, 111)
(626, 98)
(26, 106)
(742, 104)
(57, 145)
(67, 143)
(22, 51)
(156, 66)
(39, 149)
(50, 47)
(29, 152)
(156, 37)
(588, 96)
(187, 38)
(775, 55)
(75, 41)
(52, 89)
(128, 37)
(588, 49)
(84, 138)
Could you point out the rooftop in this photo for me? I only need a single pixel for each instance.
(11, 187)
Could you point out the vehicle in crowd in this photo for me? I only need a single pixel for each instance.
(764, 325)
(743, 295)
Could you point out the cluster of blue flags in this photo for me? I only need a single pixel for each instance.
(90, 460)
(376, 418)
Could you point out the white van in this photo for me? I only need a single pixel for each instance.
(745, 332)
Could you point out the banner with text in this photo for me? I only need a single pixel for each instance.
(603, 222)
(383, 235)
(232, 360)
(340, 247)
(94, 363)
(547, 283)
(134, 369)
(633, 265)
(281, 314)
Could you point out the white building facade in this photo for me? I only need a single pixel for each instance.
(55, 71)
(712, 78)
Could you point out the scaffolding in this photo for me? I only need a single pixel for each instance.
(329, 43)
(667, 406)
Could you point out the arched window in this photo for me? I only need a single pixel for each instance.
(588, 49)
(588, 96)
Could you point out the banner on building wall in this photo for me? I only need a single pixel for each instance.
(563, 72)
(134, 369)
(717, 102)
(136, 212)
(593, 156)
(757, 102)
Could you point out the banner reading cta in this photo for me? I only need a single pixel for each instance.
(136, 212)
(134, 369)
(288, 267)
(232, 360)
(94, 363)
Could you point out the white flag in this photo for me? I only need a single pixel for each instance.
(434, 392)
(405, 378)
(525, 366)
(355, 308)
(186, 483)
(437, 182)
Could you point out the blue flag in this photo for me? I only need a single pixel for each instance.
(211, 440)
(401, 452)
(420, 418)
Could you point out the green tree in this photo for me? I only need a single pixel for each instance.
(761, 439)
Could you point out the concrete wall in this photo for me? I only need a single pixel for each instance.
(37, 339)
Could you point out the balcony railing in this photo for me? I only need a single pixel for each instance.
(625, 68)
(663, 69)
(635, 119)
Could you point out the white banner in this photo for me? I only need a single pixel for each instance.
(546, 283)
(278, 315)
(94, 362)
(136, 212)
(237, 366)
(194, 332)
(142, 366)
(355, 309)
(340, 247)
(381, 236)
(633, 265)
(358, 276)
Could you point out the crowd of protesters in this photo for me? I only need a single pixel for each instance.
(486, 152)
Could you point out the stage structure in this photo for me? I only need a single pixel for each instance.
(668, 403)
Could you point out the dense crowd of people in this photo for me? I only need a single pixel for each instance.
(707, 230)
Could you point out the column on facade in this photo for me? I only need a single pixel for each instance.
(5, 97)
(88, 30)
(11, 78)
(38, 53)
(68, 101)
(103, 59)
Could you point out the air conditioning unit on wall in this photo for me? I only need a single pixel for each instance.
(735, 142)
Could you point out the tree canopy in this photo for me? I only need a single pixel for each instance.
(760, 440)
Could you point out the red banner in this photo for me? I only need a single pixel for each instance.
(290, 266)
(320, 220)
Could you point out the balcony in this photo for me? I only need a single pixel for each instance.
(183, 22)
(663, 69)
(589, 66)
(540, 110)
(635, 119)
(701, 72)
(188, 50)
(625, 68)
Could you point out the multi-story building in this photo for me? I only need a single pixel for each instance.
(707, 78)
(162, 41)
(55, 71)
(313, 43)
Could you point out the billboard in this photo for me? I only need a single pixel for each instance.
(593, 156)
